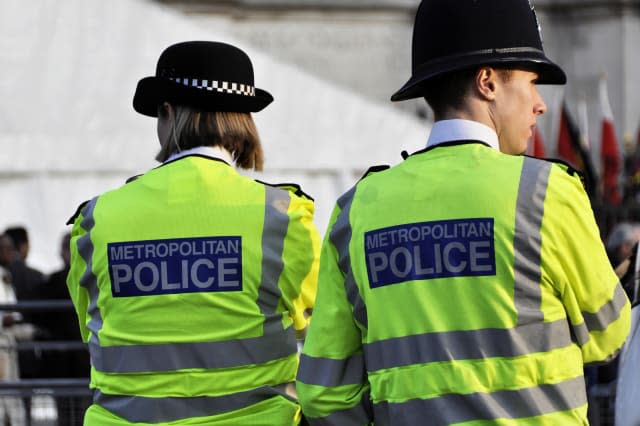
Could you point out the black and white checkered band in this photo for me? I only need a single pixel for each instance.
(218, 86)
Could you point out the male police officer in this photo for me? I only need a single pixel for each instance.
(465, 285)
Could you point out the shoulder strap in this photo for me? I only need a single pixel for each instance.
(375, 169)
(73, 218)
(291, 187)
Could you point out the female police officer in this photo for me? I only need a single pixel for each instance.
(467, 285)
(191, 280)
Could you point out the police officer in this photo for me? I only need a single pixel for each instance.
(191, 280)
(468, 284)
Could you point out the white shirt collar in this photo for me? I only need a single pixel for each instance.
(458, 129)
(207, 151)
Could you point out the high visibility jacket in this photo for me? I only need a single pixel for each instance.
(189, 284)
(463, 286)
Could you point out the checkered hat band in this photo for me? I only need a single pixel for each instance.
(218, 86)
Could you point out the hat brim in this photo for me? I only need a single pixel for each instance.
(152, 91)
(548, 72)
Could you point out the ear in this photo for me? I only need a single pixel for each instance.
(486, 82)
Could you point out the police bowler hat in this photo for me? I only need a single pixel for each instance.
(451, 35)
(208, 75)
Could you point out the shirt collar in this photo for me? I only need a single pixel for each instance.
(207, 151)
(458, 130)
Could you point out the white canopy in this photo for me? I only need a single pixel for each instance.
(69, 132)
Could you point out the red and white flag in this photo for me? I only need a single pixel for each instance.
(609, 152)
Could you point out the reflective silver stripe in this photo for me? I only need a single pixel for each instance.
(89, 280)
(276, 224)
(600, 320)
(168, 409)
(178, 356)
(581, 333)
(330, 372)
(505, 404)
(608, 313)
(527, 239)
(275, 343)
(340, 237)
(467, 344)
(358, 415)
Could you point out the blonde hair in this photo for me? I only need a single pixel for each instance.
(234, 131)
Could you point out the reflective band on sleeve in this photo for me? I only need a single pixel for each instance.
(358, 415)
(527, 240)
(608, 313)
(467, 344)
(581, 333)
(276, 224)
(340, 237)
(178, 356)
(600, 320)
(330, 372)
(157, 410)
(89, 280)
(505, 404)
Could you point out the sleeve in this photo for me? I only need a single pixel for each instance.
(78, 269)
(301, 255)
(595, 302)
(332, 383)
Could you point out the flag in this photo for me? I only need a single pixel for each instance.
(583, 120)
(609, 152)
(568, 139)
(570, 149)
(535, 145)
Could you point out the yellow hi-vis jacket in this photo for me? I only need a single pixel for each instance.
(189, 284)
(461, 287)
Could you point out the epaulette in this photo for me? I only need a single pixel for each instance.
(291, 187)
(571, 171)
(375, 169)
(132, 178)
(73, 218)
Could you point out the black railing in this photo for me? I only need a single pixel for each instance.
(43, 401)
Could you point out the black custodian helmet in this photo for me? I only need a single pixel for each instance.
(451, 35)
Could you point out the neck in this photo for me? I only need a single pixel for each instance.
(473, 110)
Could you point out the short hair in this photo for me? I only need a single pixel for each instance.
(234, 131)
(448, 91)
(18, 235)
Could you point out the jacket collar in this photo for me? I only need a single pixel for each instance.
(460, 130)
(215, 152)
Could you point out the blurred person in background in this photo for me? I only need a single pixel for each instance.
(12, 410)
(27, 280)
(63, 326)
(7, 251)
(621, 240)
(28, 284)
(191, 281)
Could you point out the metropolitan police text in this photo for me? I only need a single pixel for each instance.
(428, 250)
(175, 266)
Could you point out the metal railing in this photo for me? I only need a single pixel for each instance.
(43, 401)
